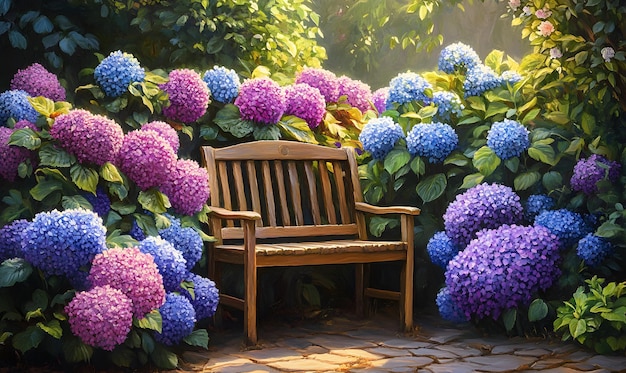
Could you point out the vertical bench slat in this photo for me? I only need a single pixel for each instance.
(296, 197)
(239, 186)
(269, 193)
(341, 192)
(282, 194)
(254, 188)
(311, 181)
(327, 191)
(225, 189)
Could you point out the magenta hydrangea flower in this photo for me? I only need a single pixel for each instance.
(588, 171)
(37, 81)
(261, 100)
(358, 94)
(146, 158)
(321, 79)
(100, 317)
(133, 273)
(11, 155)
(187, 186)
(91, 138)
(166, 131)
(379, 98)
(305, 102)
(188, 95)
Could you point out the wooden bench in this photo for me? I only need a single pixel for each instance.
(284, 203)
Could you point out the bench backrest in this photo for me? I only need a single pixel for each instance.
(299, 189)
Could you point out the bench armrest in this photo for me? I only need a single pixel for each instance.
(223, 213)
(378, 210)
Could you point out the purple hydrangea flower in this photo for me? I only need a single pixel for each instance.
(379, 98)
(448, 105)
(37, 81)
(188, 96)
(11, 156)
(458, 57)
(508, 139)
(593, 249)
(146, 158)
(306, 103)
(587, 173)
(567, 225)
(187, 186)
(100, 202)
(179, 320)
(358, 94)
(321, 79)
(91, 138)
(407, 87)
(170, 262)
(379, 136)
(205, 296)
(441, 249)
(14, 104)
(223, 83)
(166, 131)
(480, 207)
(59, 243)
(479, 80)
(116, 72)
(536, 204)
(185, 239)
(502, 268)
(25, 124)
(11, 239)
(101, 317)
(432, 140)
(133, 273)
(447, 308)
(261, 100)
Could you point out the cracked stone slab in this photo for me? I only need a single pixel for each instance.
(334, 359)
(402, 364)
(501, 363)
(304, 365)
(332, 342)
(248, 368)
(269, 355)
(459, 350)
(405, 343)
(433, 353)
(225, 360)
(389, 352)
(536, 352)
(612, 363)
(361, 354)
(454, 367)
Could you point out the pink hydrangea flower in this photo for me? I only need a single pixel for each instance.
(12, 155)
(358, 94)
(324, 80)
(101, 317)
(187, 187)
(305, 102)
(261, 100)
(546, 28)
(188, 95)
(555, 53)
(37, 81)
(379, 98)
(514, 4)
(543, 13)
(166, 131)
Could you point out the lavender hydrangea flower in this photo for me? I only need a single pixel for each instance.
(502, 268)
(91, 138)
(479, 80)
(185, 239)
(306, 103)
(37, 81)
(567, 225)
(593, 249)
(321, 79)
(223, 83)
(379, 136)
(536, 204)
(179, 320)
(117, 71)
(358, 94)
(261, 100)
(508, 139)
(12, 155)
(379, 98)
(133, 273)
(441, 249)
(59, 243)
(432, 140)
(170, 262)
(483, 206)
(447, 308)
(205, 297)
(100, 202)
(146, 158)
(587, 173)
(187, 186)
(166, 131)
(188, 96)
(458, 57)
(407, 87)
(101, 317)
(14, 104)
(448, 105)
(11, 239)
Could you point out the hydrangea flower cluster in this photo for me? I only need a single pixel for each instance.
(587, 172)
(146, 158)
(306, 103)
(379, 136)
(37, 81)
(448, 105)
(133, 273)
(100, 317)
(117, 71)
(441, 249)
(458, 57)
(593, 249)
(186, 186)
(567, 225)
(324, 80)
(261, 100)
(91, 138)
(358, 94)
(508, 139)
(447, 308)
(11, 239)
(14, 104)
(136, 232)
(536, 204)
(479, 80)
(223, 83)
(188, 96)
(166, 131)
(170, 262)
(379, 98)
(12, 155)
(185, 239)
(502, 268)
(205, 296)
(179, 320)
(480, 207)
(432, 140)
(100, 202)
(510, 77)
(60, 242)
(407, 87)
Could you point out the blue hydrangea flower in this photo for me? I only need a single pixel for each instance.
(407, 87)
(567, 225)
(457, 57)
(205, 297)
(508, 139)
(447, 308)
(179, 319)
(433, 140)
(379, 136)
(185, 239)
(14, 104)
(223, 83)
(116, 72)
(441, 249)
(136, 232)
(510, 77)
(11, 239)
(101, 202)
(170, 262)
(593, 249)
(479, 80)
(448, 105)
(536, 204)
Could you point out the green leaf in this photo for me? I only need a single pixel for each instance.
(618, 314)
(469, 120)
(163, 358)
(28, 339)
(42, 105)
(198, 338)
(5, 337)
(509, 317)
(116, 239)
(13, 271)
(378, 224)
(552, 180)
(84, 177)
(122, 356)
(472, 180)
(266, 133)
(17, 40)
(537, 310)
(153, 201)
(151, 321)
(229, 120)
(418, 166)
(396, 159)
(542, 151)
(432, 187)
(75, 202)
(147, 342)
(53, 156)
(457, 160)
(68, 45)
(297, 129)
(42, 25)
(525, 180)
(52, 327)
(75, 351)
(109, 172)
(609, 230)
(577, 327)
(26, 138)
(486, 161)
(588, 123)
(496, 108)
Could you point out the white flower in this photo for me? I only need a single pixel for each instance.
(607, 53)
(556, 53)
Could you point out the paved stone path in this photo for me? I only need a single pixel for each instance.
(374, 345)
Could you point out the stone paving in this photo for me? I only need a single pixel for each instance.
(339, 344)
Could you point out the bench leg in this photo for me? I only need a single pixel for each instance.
(359, 287)
(406, 295)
